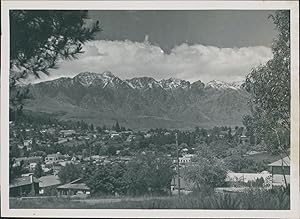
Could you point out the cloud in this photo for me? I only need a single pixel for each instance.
(127, 59)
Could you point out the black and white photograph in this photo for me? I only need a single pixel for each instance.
(170, 109)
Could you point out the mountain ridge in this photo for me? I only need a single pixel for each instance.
(87, 78)
(140, 102)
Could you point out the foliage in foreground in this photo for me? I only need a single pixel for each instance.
(269, 86)
(261, 200)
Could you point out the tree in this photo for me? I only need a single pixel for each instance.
(69, 172)
(38, 171)
(111, 150)
(269, 86)
(92, 127)
(116, 127)
(205, 171)
(16, 170)
(38, 39)
(99, 129)
(149, 172)
(106, 178)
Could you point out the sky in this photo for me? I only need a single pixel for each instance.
(189, 45)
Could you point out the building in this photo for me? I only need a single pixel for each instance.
(27, 142)
(66, 133)
(243, 179)
(24, 186)
(27, 160)
(244, 139)
(130, 138)
(50, 130)
(115, 135)
(185, 159)
(280, 171)
(63, 140)
(52, 158)
(48, 184)
(76, 187)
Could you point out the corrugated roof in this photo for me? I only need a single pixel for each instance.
(49, 180)
(75, 184)
(79, 186)
(282, 162)
(22, 181)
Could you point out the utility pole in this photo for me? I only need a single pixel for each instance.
(178, 171)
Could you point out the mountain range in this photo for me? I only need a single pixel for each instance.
(142, 102)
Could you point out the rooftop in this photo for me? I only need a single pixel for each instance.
(49, 180)
(22, 181)
(282, 162)
(76, 185)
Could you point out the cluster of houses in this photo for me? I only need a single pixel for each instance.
(51, 164)
(28, 185)
(49, 185)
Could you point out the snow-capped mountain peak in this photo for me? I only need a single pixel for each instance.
(87, 78)
(143, 83)
(237, 84)
(109, 79)
(173, 83)
(220, 85)
(108, 74)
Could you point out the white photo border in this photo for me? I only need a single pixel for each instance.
(293, 6)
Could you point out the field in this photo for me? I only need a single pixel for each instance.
(250, 200)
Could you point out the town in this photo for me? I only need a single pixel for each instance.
(72, 158)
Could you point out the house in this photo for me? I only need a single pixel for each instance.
(243, 179)
(24, 186)
(27, 142)
(148, 135)
(66, 133)
(27, 160)
(222, 134)
(186, 187)
(48, 184)
(115, 135)
(64, 163)
(63, 140)
(185, 159)
(244, 139)
(76, 187)
(280, 171)
(130, 138)
(52, 158)
(185, 150)
(46, 168)
(50, 130)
